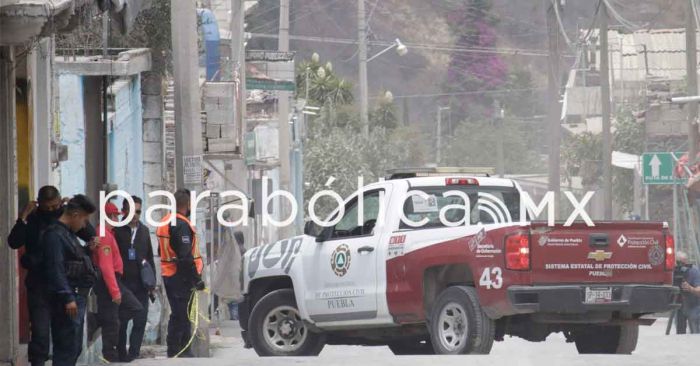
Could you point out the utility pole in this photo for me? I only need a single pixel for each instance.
(692, 85)
(188, 126)
(238, 64)
(438, 135)
(605, 100)
(498, 115)
(105, 97)
(362, 56)
(284, 133)
(553, 109)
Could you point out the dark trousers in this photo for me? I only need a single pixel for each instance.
(139, 324)
(179, 327)
(681, 322)
(40, 325)
(110, 314)
(67, 333)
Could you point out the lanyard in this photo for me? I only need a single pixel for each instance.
(133, 235)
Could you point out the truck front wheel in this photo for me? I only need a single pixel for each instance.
(276, 328)
(620, 339)
(458, 325)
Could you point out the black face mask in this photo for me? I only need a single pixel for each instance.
(50, 215)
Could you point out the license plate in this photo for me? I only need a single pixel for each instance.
(598, 295)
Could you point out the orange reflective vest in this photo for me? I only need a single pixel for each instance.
(168, 257)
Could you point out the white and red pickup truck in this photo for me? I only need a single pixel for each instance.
(439, 289)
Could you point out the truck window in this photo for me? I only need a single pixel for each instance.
(488, 205)
(348, 226)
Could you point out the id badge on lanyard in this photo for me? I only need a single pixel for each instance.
(132, 250)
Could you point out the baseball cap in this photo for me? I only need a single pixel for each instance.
(111, 209)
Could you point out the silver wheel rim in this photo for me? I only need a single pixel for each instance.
(283, 329)
(453, 326)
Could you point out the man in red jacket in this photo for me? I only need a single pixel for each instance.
(115, 303)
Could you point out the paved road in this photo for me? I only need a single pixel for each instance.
(654, 348)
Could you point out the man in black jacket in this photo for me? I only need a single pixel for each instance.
(69, 274)
(33, 220)
(135, 246)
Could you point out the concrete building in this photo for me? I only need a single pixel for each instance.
(30, 151)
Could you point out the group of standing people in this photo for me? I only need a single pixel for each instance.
(118, 267)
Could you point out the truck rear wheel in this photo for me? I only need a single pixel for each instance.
(458, 325)
(276, 328)
(619, 339)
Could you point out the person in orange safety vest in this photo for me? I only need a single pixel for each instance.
(181, 268)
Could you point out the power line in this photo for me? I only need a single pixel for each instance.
(466, 92)
(561, 24)
(297, 15)
(432, 47)
(624, 22)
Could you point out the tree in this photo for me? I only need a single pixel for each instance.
(384, 115)
(473, 26)
(582, 155)
(325, 87)
(474, 143)
(151, 29)
(343, 153)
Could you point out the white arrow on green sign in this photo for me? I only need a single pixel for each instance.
(659, 168)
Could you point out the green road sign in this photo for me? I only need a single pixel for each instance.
(658, 168)
(269, 84)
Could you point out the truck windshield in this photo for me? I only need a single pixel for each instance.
(487, 205)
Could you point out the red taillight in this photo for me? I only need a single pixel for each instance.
(670, 253)
(461, 182)
(518, 251)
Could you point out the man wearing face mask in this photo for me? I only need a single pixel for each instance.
(181, 266)
(34, 219)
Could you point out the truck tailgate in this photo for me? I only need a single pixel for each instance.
(609, 252)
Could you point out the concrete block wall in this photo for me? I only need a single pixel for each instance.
(153, 132)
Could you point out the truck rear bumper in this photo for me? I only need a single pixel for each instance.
(570, 299)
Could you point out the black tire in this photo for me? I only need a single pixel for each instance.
(411, 347)
(295, 339)
(613, 339)
(473, 331)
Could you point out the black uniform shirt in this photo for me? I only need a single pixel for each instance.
(60, 244)
(181, 239)
(27, 235)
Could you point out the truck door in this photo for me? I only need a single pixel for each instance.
(344, 278)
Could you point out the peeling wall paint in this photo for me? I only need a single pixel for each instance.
(126, 136)
(72, 121)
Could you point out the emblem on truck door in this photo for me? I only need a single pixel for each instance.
(340, 260)
(599, 255)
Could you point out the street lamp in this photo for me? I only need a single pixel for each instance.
(401, 50)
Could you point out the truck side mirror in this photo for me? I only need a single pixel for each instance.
(324, 235)
(309, 228)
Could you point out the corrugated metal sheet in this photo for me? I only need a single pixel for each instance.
(665, 54)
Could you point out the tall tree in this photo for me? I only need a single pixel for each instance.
(472, 23)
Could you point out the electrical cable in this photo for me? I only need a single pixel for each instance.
(296, 16)
(432, 47)
(624, 22)
(562, 30)
(465, 92)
